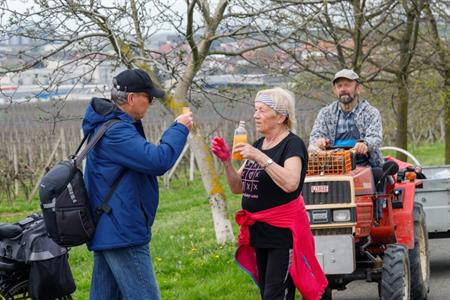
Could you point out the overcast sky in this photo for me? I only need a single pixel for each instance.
(21, 5)
(177, 5)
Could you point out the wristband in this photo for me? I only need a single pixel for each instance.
(364, 142)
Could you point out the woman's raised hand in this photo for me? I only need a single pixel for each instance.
(220, 148)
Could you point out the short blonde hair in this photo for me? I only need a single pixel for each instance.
(283, 100)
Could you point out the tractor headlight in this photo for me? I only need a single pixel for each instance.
(342, 215)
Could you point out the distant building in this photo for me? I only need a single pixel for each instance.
(240, 80)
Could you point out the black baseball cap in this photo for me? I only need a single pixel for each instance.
(136, 81)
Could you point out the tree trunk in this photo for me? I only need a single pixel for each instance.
(447, 116)
(210, 177)
(205, 163)
(401, 139)
(408, 42)
(444, 70)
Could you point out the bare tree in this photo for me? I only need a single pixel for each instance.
(377, 39)
(407, 43)
(298, 39)
(325, 36)
(91, 33)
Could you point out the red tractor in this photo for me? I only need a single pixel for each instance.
(363, 233)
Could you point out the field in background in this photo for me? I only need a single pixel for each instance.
(35, 136)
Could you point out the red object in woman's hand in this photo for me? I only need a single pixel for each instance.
(220, 148)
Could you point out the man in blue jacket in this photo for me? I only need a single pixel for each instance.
(122, 261)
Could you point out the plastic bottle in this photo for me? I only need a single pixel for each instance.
(240, 136)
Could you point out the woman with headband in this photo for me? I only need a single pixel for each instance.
(275, 244)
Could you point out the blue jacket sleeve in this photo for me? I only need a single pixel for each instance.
(125, 146)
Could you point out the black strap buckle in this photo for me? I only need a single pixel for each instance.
(104, 208)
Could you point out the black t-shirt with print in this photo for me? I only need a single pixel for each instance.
(260, 192)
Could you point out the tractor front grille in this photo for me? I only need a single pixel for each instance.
(332, 231)
(327, 192)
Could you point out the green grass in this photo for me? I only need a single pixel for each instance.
(19, 206)
(429, 154)
(426, 154)
(188, 262)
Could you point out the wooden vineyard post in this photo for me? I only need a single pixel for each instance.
(44, 170)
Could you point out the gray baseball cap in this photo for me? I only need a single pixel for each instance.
(346, 73)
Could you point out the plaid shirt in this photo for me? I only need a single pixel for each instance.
(367, 120)
(346, 131)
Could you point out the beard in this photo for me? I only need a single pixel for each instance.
(345, 98)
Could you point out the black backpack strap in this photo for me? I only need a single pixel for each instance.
(98, 135)
(79, 147)
(104, 207)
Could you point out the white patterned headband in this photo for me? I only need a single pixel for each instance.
(263, 98)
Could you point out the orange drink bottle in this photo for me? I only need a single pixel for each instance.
(240, 136)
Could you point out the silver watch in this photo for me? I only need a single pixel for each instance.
(268, 163)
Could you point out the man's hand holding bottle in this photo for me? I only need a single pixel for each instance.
(186, 119)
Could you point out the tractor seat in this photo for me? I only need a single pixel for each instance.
(9, 230)
(390, 180)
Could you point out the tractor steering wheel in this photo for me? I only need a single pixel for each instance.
(412, 157)
(417, 168)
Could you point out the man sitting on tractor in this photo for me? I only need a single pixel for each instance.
(349, 122)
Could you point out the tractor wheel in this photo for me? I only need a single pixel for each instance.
(418, 257)
(395, 277)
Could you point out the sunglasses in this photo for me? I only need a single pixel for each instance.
(147, 96)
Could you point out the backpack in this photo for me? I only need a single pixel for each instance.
(64, 201)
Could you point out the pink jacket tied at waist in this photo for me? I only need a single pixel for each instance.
(305, 270)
